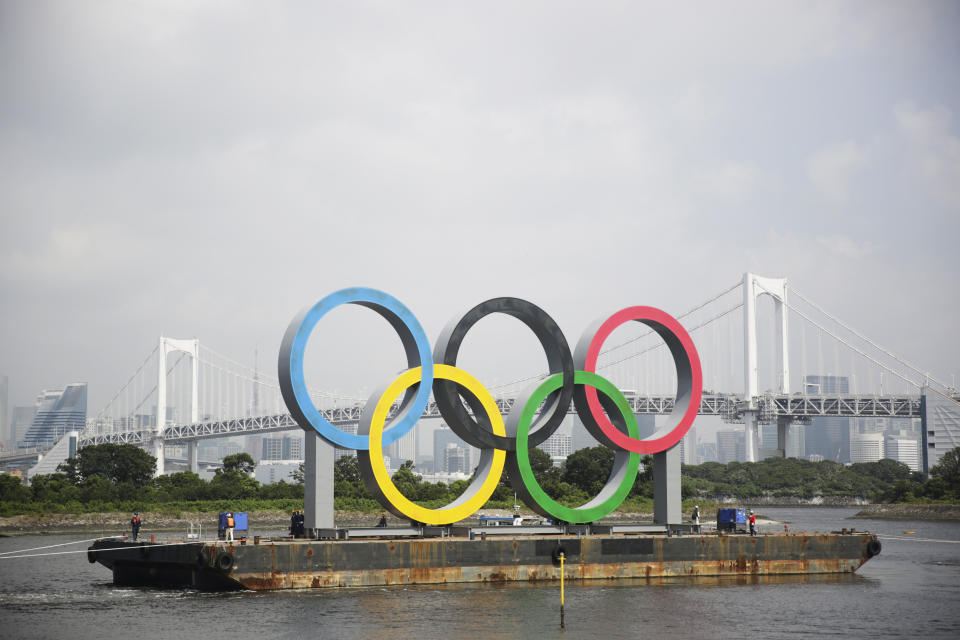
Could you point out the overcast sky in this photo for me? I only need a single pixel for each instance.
(206, 169)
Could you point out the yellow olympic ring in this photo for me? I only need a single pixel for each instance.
(483, 485)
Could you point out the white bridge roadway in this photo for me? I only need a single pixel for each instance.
(796, 408)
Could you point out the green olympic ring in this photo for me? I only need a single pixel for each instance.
(625, 463)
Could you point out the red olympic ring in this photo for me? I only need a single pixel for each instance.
(689, 380)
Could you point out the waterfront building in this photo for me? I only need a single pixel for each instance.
(904, 447)
(558, 446)
(58, 412)
(282, 448)
(271, 471)
(217, 448)
(941, 431)
(866, 447)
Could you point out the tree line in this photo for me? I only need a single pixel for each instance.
(112, 477)
(119, 477)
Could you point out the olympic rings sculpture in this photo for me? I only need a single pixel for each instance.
(572, 378)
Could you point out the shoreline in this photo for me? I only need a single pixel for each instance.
(114, 522)
(906, 511)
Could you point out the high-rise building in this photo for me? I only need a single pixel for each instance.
(941, 427)
(688, 447)
(828, 437)
(455, 459)
(254, 446)
(796, 438)
(404, 449)
(20, 422)
(58, 412)
(707, 451)
(559, 445)
(731, 445)
(826, 385)
(866, 447)
(441, 438)
(903, 447)
(339, 452)
(282, 448)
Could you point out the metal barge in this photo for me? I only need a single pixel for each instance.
(265, 564)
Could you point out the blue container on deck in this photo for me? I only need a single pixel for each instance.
(729, 517)
(239, 522)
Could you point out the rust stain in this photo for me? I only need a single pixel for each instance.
(427, 561)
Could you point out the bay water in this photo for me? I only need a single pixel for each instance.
(912, 589)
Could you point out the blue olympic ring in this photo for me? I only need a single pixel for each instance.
(415, 344)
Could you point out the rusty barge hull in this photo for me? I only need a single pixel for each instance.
(353, 563)
(313, 564)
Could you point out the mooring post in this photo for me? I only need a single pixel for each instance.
(562, 621)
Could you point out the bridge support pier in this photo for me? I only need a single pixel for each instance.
(666, 487)
(156, 450)
(750, 435)
(192, 448)
(317, 482)
(783, 433)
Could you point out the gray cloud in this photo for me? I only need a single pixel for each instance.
(207, 169)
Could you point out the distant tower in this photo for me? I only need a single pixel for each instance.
(192, 348)
(753, 287)
(255, 408)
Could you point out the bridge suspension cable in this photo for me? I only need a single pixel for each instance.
(127, 384)
(863, 337)
(851, 346)
(642, 336)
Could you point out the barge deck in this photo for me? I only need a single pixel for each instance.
(265, 564)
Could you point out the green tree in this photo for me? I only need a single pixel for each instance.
(184, 485)
(948, 469)
(406, 481)
(53, 488)
(239, 462)
(232, 485)
(12, 490)
(347, 469)
(115, 462)
(588, 469)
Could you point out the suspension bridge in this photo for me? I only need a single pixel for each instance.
(769, 354)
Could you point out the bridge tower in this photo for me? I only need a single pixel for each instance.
(753, 287)
(168, 345)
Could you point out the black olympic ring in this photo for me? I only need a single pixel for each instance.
(559, 360)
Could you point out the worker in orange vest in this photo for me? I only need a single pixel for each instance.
(230, 525)
(135, 525)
